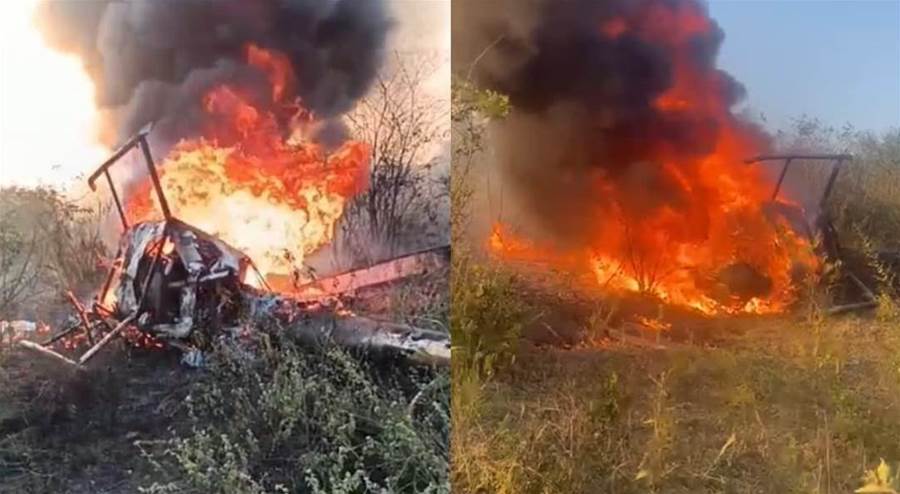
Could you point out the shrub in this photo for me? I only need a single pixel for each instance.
(487, 318)
(310, 421)
(488, 314)
(866, 195)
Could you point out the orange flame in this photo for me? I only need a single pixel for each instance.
(716, 229)
(275, 197)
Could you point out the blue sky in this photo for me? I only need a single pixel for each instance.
(836, 60)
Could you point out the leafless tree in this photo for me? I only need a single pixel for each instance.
(18, 267)
(407, 129)
(49, 244)
(73, 247)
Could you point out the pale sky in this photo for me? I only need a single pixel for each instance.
(47, 116)
(836, 60)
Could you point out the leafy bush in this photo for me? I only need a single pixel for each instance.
(488, 315)
(309, 421)
(487, 318)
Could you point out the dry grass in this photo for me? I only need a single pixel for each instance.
(778, 407)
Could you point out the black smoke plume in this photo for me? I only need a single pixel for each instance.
(583, 101)
(153, 60)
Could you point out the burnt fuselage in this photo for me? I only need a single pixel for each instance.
(174, 276)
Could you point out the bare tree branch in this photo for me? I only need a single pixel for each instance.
(404, 125)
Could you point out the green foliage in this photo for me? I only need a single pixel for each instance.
(488, 315)
(887, 309)
(864, 204)
(487, 318)
(469, 100)
(471, 110)
(309, 421)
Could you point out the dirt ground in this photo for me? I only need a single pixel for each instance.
(59, 428)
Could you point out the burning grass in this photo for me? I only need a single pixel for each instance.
(630, 169)
(797, 402)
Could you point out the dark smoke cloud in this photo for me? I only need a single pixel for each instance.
(154, 59)
(582, 102)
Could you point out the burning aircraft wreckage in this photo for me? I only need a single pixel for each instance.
(625, 165)
(172, 284)
(664, 193)
(257, 167)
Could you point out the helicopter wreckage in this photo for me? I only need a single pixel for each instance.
(175, 285)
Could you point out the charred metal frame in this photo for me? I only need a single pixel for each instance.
(836, 159)
(416, 344)
(825, 225)
(140, 139)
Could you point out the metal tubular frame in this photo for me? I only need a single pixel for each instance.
(139, 140)
(837, 159)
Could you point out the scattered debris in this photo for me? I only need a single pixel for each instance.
(12, 328)
(193, 358)
(401, 267)
(13, 331)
